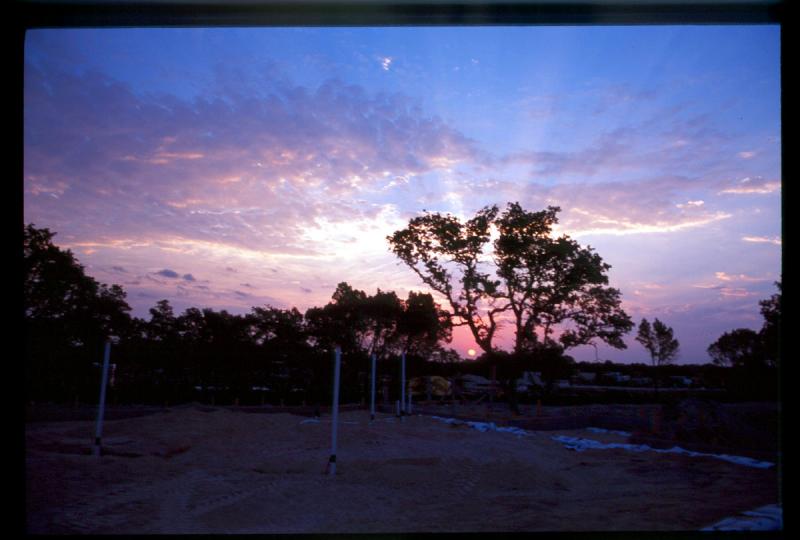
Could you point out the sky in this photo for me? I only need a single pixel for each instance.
(240, 167)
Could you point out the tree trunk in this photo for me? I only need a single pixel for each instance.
(511, 395)
(655, 381)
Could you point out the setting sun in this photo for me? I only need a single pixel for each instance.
(471, 352)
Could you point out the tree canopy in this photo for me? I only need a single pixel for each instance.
(379, 324)
(58, 294)
(168, 356)
(496, 268)
(737, 348)
(746, 348)
(545, 283)
(67, 314)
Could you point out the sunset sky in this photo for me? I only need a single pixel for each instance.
(232, 168)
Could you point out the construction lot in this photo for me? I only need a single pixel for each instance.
(198, 469)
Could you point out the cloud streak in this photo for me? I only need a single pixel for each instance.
(753, 186)
(624, 208)
(763, 240)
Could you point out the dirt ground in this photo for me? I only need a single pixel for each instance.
(194, 469)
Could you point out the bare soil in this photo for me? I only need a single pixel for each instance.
(194, 469)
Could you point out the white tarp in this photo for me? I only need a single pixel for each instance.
(601, 430)
(766, 518)
(579, 445)
(484, 426)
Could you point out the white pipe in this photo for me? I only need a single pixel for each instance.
(403, 384)
(98, 433)
(335, 421)
(372, 392)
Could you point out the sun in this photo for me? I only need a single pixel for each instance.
(471, 352)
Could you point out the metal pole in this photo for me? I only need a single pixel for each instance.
(403, 384)
(335, 422)
(372, 392)
(98, 434)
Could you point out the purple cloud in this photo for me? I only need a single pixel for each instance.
(245, 169)
(167, 273)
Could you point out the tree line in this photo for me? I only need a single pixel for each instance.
(283, 353)
(509, 267)
(753, 357)
(498, 269)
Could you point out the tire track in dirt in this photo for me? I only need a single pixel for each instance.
(173, 517)
(110, 511)
(255, 500)
(468, 481)
(212, 493)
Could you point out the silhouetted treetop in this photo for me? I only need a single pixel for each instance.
(56, 288)
(544, 281)
(737, 348)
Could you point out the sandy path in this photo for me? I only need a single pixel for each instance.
(222, 471)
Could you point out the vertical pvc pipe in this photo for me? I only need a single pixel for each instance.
(98, 433)
(403, 384)
(335, 421)
(372, 392)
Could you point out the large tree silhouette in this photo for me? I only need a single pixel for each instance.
(737, 348)
(545, 283)
(68, 315)
(551, 282)
(753, 356)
